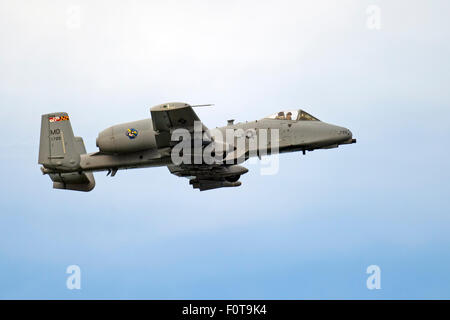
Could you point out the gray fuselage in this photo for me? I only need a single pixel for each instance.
(117, 151)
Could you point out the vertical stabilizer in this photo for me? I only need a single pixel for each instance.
(58, 148)
(60, 153)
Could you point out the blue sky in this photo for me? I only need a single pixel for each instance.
(309, 231)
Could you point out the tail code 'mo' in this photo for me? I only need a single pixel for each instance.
(60, 151)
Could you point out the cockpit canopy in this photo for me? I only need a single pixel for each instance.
(295, 115)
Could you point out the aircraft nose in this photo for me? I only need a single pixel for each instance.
(341, 135)
(344, 133)
(349, 133)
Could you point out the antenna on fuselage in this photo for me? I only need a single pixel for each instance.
(202, 105)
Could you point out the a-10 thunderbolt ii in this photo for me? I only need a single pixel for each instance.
(151, 143)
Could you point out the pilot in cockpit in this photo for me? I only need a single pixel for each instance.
(280, 116)
(289, 116)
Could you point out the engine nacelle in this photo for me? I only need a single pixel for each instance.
(127, 137)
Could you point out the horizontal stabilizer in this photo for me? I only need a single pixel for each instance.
(83, 181)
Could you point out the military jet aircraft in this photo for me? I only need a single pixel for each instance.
(150, 143)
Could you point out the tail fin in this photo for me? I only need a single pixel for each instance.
(59, 153)
(57, 148)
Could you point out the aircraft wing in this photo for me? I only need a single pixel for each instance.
(207, 177)
(171, 116)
